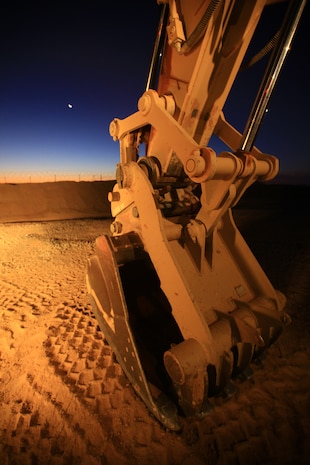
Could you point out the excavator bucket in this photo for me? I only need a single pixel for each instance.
(135, 317)
(177, 292)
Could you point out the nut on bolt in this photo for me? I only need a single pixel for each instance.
(116, 227)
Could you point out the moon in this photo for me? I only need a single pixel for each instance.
(70, 106)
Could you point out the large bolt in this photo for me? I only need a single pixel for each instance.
(116, 227)
(190, 165)
(195, 165)
(114, 129)
(114, 196)
(144, 104)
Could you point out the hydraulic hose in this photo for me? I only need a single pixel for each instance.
(262, 53)
(199, 30)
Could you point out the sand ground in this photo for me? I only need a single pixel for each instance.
(65, 400)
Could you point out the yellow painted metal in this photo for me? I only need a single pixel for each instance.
(207, 283)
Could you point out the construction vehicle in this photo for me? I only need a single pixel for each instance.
(177, 292)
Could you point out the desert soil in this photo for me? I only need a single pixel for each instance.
(65, 400)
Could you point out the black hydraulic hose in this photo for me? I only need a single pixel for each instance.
(262, 53)
(199, 30)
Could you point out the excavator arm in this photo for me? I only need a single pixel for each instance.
(177, 292)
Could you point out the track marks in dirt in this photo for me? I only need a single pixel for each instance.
(49, 426)
(81, 357)
(235, 432)
(15, 298)
(228, 435)
(264, 422)
(64, 399)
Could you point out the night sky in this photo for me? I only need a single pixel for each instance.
(95, 56)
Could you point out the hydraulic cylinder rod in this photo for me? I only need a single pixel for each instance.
(157, 52)
(273, 69)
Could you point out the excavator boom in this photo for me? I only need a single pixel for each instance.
(176, 290)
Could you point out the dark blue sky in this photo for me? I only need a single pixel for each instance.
(95, 56)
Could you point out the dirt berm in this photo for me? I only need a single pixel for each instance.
(54, 200)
